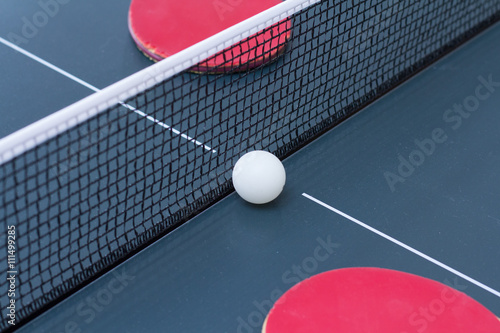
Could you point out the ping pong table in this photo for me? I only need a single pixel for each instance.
(410, 183)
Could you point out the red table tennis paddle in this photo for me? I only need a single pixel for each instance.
(161, 28)
(375, 300)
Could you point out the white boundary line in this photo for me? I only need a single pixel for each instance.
(405, 246)
(95, 89)
(48, 64)
(48, 127)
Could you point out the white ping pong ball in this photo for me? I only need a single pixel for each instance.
(259, 177)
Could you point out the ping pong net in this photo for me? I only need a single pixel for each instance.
(96, 182)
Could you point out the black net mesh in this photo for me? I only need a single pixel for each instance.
(88, 198)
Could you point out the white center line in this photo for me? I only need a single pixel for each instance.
(403, 245)
(95, 89)
(170, 128)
